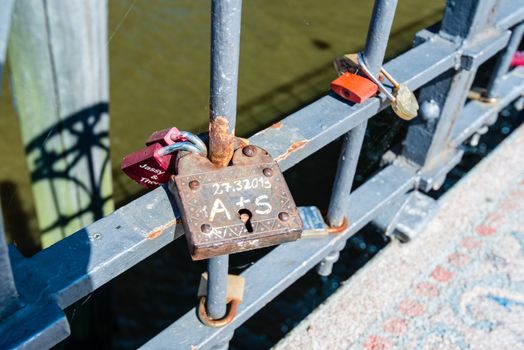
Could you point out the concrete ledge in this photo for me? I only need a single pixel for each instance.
(460, 284)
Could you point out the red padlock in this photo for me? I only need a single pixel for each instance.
(147, 167)
(354, 88)
(165, 137)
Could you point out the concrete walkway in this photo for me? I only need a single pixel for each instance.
(458, 285)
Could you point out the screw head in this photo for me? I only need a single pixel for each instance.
(283, 216)
(194, 184)
(268, 172)
(205, 228)
(249, 151)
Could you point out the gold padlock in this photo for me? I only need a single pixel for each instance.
(403, 101)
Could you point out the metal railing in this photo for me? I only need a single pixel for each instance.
(442, 64)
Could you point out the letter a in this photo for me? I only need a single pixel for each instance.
(218, 207)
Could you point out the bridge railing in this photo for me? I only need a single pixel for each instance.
(441, 65)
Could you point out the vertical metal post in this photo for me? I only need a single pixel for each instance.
(427, 141)
(225, 49)
(376, 43)
(504, 60)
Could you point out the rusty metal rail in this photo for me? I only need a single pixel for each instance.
(442, 64)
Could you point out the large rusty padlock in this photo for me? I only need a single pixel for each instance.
(244, 206)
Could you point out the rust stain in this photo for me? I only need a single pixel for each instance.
(277, 125)
(221, 142)
(295, 146)
(241, 142)
(158, 231)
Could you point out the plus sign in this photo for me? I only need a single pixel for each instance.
(242, 201)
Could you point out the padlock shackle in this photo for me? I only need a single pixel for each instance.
(181, 146)
(381, 87)
(390, 78)
(194, 139)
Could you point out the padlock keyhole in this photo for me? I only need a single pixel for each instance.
(245, 216)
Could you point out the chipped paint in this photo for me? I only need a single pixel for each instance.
(295, 146)
(159, 230)
(277, 125)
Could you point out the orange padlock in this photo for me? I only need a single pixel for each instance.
(354, 88)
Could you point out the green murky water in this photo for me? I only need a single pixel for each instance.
(159, 74)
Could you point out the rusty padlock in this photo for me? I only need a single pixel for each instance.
(151, 166)
(244, 206)
(353, 87)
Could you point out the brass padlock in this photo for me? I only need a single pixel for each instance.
(403, 101)
(244, 206)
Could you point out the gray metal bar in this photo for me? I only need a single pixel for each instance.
(504, 60)
(225, 50)
(427, 141)
(476, 114)
(376, 44)
(293, 261)
(375, 49)
(509, 13)
(217, 268)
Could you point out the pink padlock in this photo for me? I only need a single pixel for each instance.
(147, 167)
(165, 137)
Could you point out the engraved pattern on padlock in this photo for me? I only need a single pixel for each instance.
(403, 101)
(241, 207)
